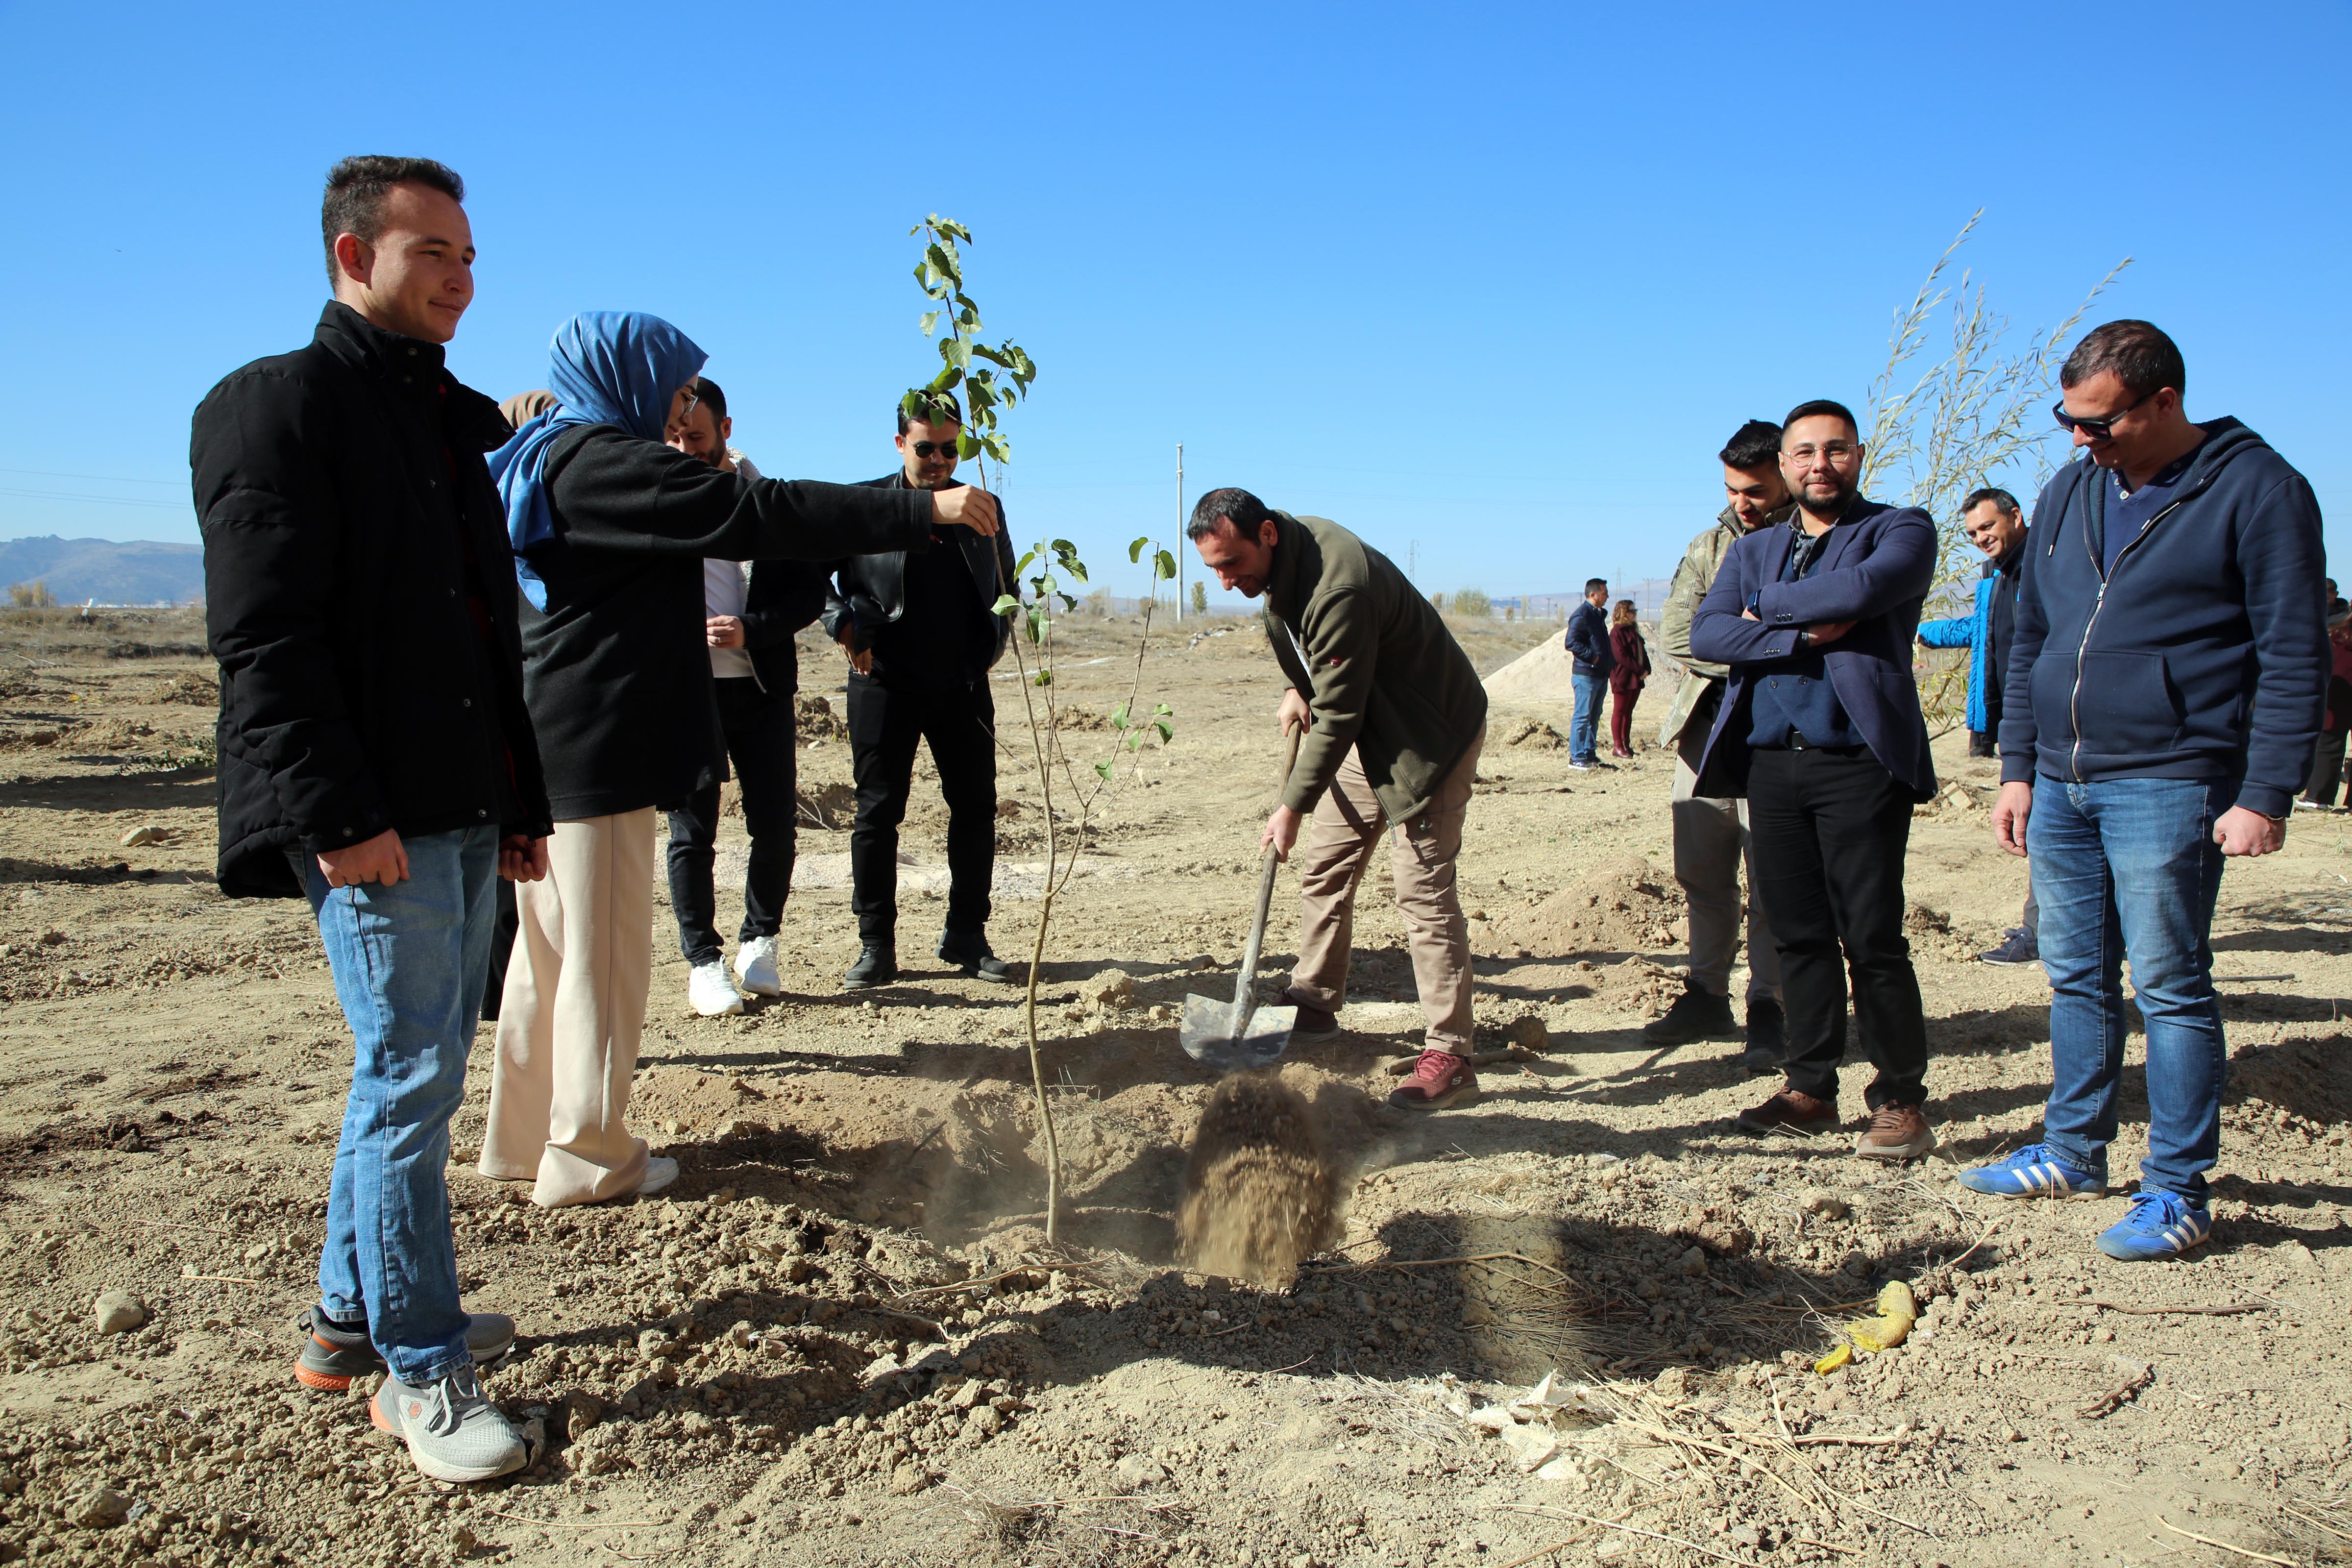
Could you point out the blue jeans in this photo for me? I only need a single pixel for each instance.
(1584, 728)
(2129, 868)
(409, 963)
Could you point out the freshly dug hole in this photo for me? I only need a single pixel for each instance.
(1259, 1195)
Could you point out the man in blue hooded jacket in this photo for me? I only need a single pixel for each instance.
(2166, 685)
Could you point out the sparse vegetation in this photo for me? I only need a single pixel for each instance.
(31, 597)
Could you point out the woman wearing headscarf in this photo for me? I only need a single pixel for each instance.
(610, 529)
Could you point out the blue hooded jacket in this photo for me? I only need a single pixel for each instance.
(2202, 655)
(1977, 631)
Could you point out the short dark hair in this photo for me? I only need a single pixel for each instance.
(954, 410)
(356, 189)
(1999, 498)
(1754, 445)
(708, 391)
(1595, 585)
(1815, 409)
(2140, 353)
(1244, 510)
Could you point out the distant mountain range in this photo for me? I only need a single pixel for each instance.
(112, 571)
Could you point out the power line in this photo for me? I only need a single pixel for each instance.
(101, 501)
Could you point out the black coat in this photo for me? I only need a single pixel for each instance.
(781, 597)
(340, 490)
(616, 668)
(870, 591)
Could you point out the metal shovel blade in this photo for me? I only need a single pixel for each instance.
(1215, 1035)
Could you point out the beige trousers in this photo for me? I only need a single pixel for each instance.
(1711, 841)
(1331, 857)
(570, 1018)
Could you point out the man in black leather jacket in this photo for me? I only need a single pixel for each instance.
(920, 635)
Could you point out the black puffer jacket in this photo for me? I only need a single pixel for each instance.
(351, 535)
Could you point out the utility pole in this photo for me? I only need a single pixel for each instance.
(1180, 530)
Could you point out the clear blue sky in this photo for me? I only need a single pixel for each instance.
(1498, 279)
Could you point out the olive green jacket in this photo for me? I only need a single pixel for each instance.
(1702, 685)
(1379, 671)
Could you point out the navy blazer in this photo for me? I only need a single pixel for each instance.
(1875, 571)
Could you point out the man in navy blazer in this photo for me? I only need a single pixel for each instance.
(1819, 728)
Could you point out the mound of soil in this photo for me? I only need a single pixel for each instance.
(1259, 1195)
(1628, 906)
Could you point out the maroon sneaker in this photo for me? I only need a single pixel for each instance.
(1790, 1111)
(1439, 1079)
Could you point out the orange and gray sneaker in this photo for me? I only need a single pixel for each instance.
(1439, 1078)
(333, 1355)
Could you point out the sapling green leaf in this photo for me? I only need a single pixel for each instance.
(1103, 771)
(1164, 567)
(931, 319)
(1006, 605)
(1135, 551)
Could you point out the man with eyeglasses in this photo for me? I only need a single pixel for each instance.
(2167, 680)
(1821, 730)
(920, 635)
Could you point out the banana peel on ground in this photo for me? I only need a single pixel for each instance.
(1897, 1311)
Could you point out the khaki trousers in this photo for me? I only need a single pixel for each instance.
(1331, 857)
(1711, 840)
(570, 1018)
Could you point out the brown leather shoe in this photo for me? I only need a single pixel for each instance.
(1790, 1111)
(1314, 1022)
(1896, 1133)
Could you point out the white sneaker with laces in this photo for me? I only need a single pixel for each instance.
(713, 994)
(454, 1433)
(660, 1171)
(755, 967)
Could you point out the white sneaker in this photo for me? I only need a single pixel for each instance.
(660, 1171)
(713, 994)
(755, 966)
(454, 1433)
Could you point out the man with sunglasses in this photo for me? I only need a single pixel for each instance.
(1819, 728)
(920, 635)
(2167, 681)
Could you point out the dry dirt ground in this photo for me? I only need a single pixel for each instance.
(843, 1339)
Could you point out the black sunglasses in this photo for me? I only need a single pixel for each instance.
(926, 449)
(2097, 429)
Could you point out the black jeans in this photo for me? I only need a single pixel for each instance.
(1831, 829)
(759, 729)
(885, 721)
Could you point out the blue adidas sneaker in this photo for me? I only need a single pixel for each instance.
(2160, 1225)
(2036, 1171)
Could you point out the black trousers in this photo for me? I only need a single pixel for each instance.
(958, 723)
(759, 729)
(2326, 768)
(1831, 829)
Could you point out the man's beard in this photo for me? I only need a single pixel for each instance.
(1847, 490)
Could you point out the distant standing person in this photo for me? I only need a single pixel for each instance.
(1392, 719)
(1712, 840)
(921, 634)
(1996, 525)
(376, 757)
(1591, 661)
(2170, 668)
(1822, 730)
(2320, 789)
(751, 610)
(1626, 676)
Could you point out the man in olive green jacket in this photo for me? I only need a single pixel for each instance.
(1711, 837)
(1393, 717)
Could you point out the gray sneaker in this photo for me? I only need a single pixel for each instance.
(453, 1431)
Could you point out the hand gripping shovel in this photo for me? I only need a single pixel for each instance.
(1232, 1035)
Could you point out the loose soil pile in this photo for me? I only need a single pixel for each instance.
(1260, 1195)
(1626, 906)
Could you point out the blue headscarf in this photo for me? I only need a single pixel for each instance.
(606, 367)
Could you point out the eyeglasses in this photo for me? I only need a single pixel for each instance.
(2097, 429)
(939, 448)
(1836, 452)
